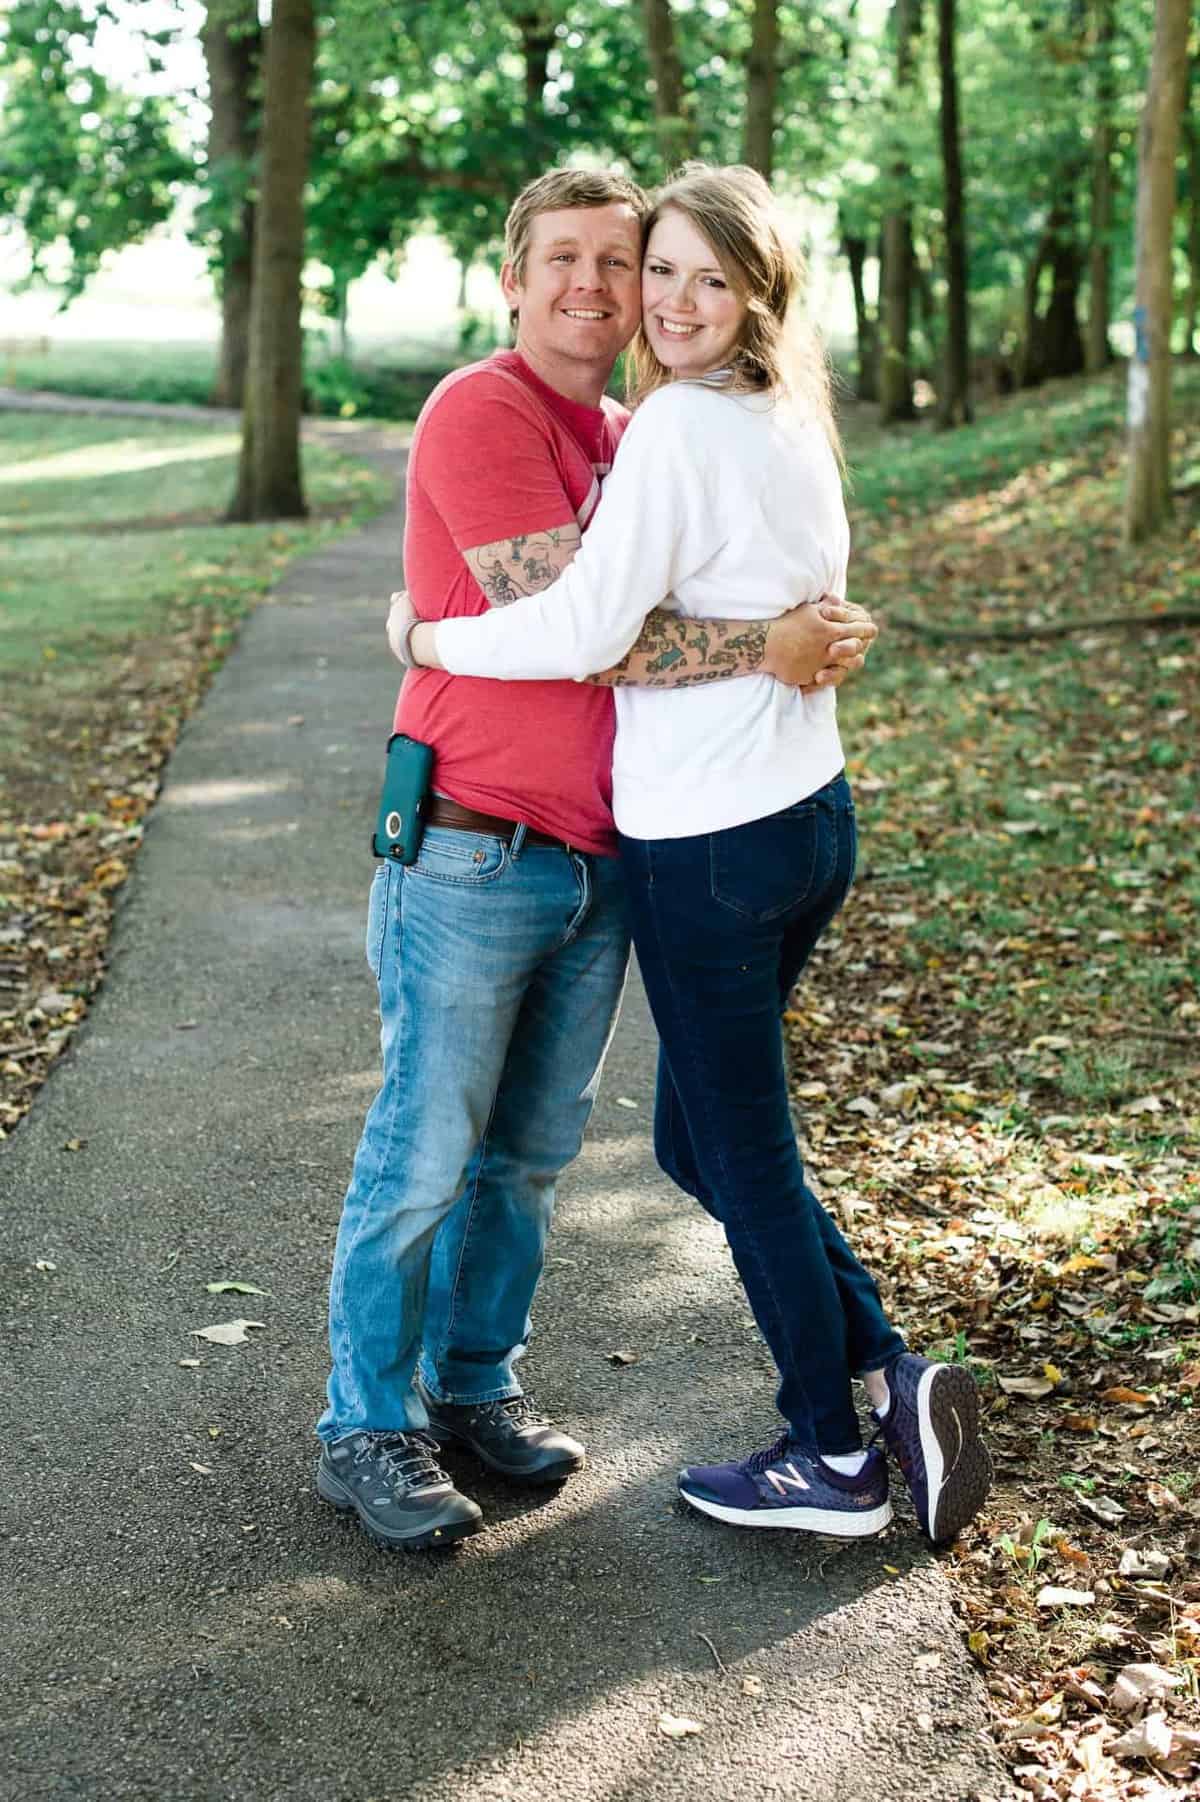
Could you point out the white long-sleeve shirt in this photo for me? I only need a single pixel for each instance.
(721, 506)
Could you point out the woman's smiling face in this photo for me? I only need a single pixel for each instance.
(691, 316)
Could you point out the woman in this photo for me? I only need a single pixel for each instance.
(737, 837)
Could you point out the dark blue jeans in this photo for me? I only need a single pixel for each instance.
(723, 924)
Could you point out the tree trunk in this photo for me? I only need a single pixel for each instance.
(232, 41)
(269, 484)
(864, 323)
(1029, 372)
(1062, 340)
(1148, 489)
(672, 111)
(954, 402)
(895, 308)
(1098, 353)
(762, 73)
(1191, 132)
(536, 25)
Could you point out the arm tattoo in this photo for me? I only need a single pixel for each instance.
(673, 651)
(523, 564)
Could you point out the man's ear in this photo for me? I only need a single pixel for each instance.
(510, 287)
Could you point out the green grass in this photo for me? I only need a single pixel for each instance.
(1032, 805)
(381, 387)
(110, 533)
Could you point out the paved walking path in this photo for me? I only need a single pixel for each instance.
(184, 1621)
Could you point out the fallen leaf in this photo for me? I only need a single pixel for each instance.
(622, 1357)
(1053, 1597)
(206, 1470)
(928, 1661)
(862, 1104)
(1162, 1498)
(1138, 1683)
(74, 1144)
(1101, 1508)
(1126, 1397)
(45, 1264)
(1151, 1738)
(677, 1726)
(228, 1332)
(1145, 1104)
(752, 1686)
(1033, 1388)
(235, 1289)
(189, 1363)
(1151, 1563)
(624, 1101)
(978, 1643)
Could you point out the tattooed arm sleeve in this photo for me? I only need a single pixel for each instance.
(513, 567)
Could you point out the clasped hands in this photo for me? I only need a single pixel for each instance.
(814, 646)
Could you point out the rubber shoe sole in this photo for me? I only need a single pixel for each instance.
(801, 1520)
(958, 1469)
(557, 1472)
(435, 1536)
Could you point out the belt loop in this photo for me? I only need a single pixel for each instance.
(518, 839)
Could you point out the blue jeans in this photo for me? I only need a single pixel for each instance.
(723, 924)
(500, 971)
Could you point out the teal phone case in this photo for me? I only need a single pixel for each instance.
(401, 821)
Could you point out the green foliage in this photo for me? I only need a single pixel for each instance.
(84, 167)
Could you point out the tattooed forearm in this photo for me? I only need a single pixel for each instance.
(522, 565)
(672, 651)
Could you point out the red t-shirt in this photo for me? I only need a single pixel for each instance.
(487, 462)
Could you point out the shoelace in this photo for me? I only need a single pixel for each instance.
(522, 1411)
(408, 1458)
(757, 1462)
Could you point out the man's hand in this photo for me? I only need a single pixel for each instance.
(817, 645)
(401, 613)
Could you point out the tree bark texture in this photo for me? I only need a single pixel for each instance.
(762, 80)
(1191, 133)
(1051, 343)
(895, 308)
(954, 402)
(672, 112)
(1148, 483)
(1098, 353)
(232, 41)
(864, 322)
(536, 25)
(269, 482)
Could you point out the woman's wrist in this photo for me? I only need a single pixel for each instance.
(422, 645)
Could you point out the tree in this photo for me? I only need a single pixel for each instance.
(954, 402)
(1148, 489)
(762, 71)
(895, 311)
(85, 167)
(269, 483)
(232, 40)
(1191, 135)
(1100, 241)
(672, 111)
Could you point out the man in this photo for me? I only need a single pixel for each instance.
(501, 953)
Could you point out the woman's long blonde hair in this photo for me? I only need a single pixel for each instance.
(734, 209)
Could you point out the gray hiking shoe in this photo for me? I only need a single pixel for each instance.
(397, 1488)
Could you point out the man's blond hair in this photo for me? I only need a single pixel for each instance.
(560, 188)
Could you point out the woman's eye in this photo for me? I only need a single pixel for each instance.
(657, 269)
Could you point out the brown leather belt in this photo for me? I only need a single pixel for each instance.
(440, 810)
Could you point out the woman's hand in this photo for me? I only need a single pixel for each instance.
(401, 614)
(818, 644)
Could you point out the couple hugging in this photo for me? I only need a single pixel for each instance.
(667, 586)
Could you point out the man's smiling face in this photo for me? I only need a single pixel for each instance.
(579, 295)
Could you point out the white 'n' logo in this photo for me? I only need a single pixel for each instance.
(782, 1484)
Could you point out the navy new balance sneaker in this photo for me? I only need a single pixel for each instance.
(932, 1430)
(782, 1486)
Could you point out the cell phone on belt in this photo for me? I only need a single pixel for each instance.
(401, 823)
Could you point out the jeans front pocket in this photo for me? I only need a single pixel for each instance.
(377, 916)
(773, 866)
(464, 858)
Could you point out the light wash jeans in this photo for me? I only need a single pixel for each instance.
(500, 971)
